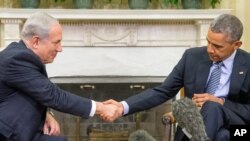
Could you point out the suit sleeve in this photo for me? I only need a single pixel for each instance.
(24, 74)
(158, 95)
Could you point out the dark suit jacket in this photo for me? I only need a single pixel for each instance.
(26, 91)
(192, 72)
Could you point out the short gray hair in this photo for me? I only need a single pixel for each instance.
(228, 24)
(39, 24)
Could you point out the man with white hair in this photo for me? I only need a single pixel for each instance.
(26, 91)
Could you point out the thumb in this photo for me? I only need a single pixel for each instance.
(110, 101)
(45, 129)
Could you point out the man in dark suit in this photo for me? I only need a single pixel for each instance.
(26, 91)
(229, 103)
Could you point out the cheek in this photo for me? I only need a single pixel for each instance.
(220, 53)
(49, 49)
(223, 54)
(51, 53)
(47, 53)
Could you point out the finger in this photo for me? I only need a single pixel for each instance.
(196, 100)
(195, 95)
(51, 131)
(111, 117)
(199, 104)
(107, 119)
(110, 101)
(103, 116)
(46, 130)
(56, 131)
(200, 95)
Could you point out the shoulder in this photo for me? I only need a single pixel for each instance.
(242, 56)
(17, 53)
(196, 52)
(242, 53)
(14, 49)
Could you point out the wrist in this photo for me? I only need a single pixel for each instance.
(222, 101)
(121, 108)
(51, 113)
(99, 106)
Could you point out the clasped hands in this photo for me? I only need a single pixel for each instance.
(200, 99)
(109, 110)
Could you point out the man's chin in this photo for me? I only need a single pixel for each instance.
(48, 61)
(214, 59)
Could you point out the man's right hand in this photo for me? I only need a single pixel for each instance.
(109, 110)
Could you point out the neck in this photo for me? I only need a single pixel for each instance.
(27, 44)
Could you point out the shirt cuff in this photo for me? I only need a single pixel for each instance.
(126, 107)
(93, 108)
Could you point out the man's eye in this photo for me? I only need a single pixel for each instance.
(217, 46)
(55, 43)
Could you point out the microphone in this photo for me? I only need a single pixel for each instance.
(189, 119)
(141, 135)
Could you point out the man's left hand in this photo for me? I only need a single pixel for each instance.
(200, 99)
(51, 126)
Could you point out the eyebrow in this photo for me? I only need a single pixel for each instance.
(214, 43)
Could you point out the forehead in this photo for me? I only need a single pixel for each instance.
(216, 37)
(55, 31)
(56, 27)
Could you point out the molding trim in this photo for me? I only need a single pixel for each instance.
(92, 14)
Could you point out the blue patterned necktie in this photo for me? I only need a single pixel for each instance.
(214, 79)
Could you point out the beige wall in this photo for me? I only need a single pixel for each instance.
(246, 17)
(240, 9)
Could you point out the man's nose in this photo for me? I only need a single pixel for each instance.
(210, 48)
(59, 48)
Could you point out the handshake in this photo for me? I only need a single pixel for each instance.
(109, 110)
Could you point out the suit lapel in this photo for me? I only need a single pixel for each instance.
(238, 74)
(203, 69)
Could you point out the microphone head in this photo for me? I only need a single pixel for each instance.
(141, 135)
(189, 119)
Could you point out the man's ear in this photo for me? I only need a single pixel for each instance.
(34, 42)
(237, 44)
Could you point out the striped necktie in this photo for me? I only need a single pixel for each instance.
(214, 79)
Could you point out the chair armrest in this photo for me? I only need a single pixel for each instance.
(168, 118)
(169, 126)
